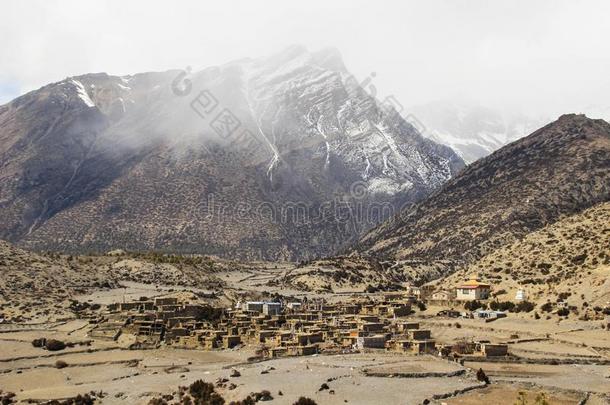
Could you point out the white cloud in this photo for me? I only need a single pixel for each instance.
(546, 56)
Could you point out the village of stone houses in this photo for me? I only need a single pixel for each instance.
(244, 336)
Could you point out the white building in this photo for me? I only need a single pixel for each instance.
(472, 290)
(255, 306)
(272, 308)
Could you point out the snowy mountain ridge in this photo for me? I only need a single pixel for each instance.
(215, 161)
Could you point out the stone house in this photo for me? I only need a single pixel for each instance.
(472, 290)
(494, 350)
(442, 296)
(372, 342)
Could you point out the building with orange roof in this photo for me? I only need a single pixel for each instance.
(473, 289)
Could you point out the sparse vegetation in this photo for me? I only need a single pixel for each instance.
(61, 364)
(522, 306)
(39, 342)
(305, 401)
(539, 400)
(481, 376)
(474, 305)
(54, 345)
(264, 395)
(85, 399)
(204, 393)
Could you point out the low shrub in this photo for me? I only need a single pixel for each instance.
(39, 342)
(54, 345)
(481, 376)
(203, 392)
(264, 395)
(473, 305)
(305, 401)
(524, 306)
(61, 364)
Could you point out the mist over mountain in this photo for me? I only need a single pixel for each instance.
(559, 170)
(282, 157)
(472, 130)
(195, 210)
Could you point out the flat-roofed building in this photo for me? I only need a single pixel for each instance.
(493, 350)
(372, 342)
(272, 308)
(472, 290)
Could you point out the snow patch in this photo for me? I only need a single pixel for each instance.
(367, 169)
(122, 103)
(82, 93)
(320, 129)
(384, 185)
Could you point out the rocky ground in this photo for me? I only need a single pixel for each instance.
(567, 261)
(51, 296)
(117, 375)
(558, 171)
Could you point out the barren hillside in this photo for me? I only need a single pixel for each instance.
(567, 260)
(39, 286)
(260, 159)
(559, 170)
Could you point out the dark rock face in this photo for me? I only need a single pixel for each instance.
(285, 157)
(561, 169)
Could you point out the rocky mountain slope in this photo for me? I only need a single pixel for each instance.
(284, 157)
(559, 170)
(567, 260)
(41, 286)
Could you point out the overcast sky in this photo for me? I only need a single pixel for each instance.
(539, 56)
